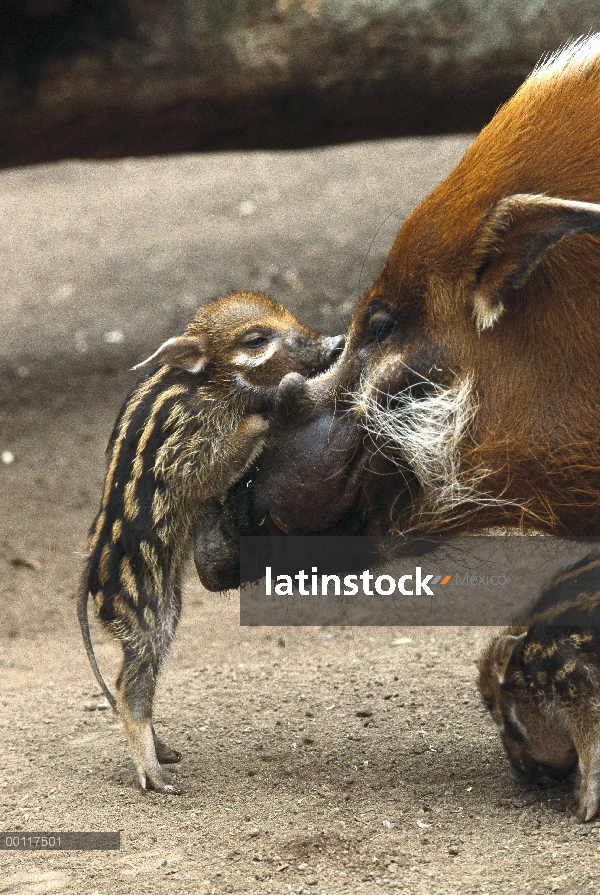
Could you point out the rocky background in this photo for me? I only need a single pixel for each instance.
(108, 78)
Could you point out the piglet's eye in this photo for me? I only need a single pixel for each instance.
(489, 705)
(255, 340)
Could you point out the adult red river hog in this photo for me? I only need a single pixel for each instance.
(468, 393)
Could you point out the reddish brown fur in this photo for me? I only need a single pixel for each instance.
(540, 380)
(455, 264)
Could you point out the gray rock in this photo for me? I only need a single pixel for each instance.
(126, 77)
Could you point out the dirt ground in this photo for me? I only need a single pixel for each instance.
(316, 760)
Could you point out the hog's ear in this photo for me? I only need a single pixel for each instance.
(511, 240)
(184, 352)
(502, 654)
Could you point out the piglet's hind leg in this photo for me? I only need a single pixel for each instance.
(136, 685)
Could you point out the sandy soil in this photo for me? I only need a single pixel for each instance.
(315, 760)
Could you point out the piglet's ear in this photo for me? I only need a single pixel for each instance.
(502, 654)
(513, 237)
(184, 352)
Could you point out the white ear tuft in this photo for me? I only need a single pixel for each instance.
(485, 314)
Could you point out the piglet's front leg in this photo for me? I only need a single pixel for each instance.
(589, 776)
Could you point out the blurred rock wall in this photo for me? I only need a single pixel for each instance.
(112, 78)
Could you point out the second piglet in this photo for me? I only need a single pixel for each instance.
(541, 683)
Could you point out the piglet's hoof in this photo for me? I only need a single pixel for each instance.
(586, 812)
(292, 396)
(158, 782)
(166, 755)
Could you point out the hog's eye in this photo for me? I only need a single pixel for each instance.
(381, 323)
(382, 327)
(255, 340)
(489, 705)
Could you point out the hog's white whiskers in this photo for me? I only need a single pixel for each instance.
(426, 433)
